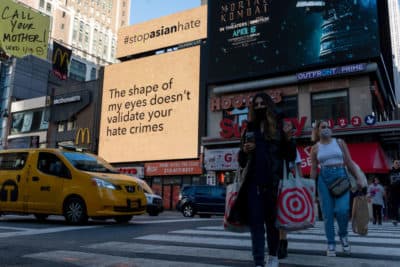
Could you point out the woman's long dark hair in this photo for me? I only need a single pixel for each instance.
(270, 123)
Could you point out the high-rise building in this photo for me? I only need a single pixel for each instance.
(88, 27)
(394, 18)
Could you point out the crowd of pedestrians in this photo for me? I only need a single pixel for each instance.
(266, 143)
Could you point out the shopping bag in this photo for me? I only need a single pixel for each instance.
(235, 204)
(360, 215)
(295, 202)
(353, 181)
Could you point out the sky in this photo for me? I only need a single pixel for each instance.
(143, 10)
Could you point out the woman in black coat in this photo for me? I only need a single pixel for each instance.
(265, 144)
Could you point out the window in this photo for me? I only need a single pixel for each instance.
(29, 121)
(86, 46)
(81, 29)
(62, 26)
(289, 106)
(48, 7)
(50, 164)
(71, 125)
(61, 126)
(63, 14)
(13, 161)
(203, 191)
(41, 4)
(77, 70)
(75, 31)
(330, 105)
(93, 74)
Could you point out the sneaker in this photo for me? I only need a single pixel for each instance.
(345, 244)
(331, 252)
(272, 261)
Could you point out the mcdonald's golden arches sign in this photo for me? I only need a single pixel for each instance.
(82, 135)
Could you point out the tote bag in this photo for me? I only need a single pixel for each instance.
(360, 214)
(234, 220)
(295, 202)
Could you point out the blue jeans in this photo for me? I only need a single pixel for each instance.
(333, 207)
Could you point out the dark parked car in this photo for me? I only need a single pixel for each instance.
(204, 200)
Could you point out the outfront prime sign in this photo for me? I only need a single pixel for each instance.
(249, 38)
(150, 108)
(163, 32)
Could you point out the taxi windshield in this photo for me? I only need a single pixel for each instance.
(88, 162)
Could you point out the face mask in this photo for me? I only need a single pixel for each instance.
(326, 132)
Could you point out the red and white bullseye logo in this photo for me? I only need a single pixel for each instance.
(295, 206)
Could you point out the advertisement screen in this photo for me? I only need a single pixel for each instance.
(163, 32)
(253, 38)
(150, 108)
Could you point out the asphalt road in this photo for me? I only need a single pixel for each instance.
(172, 240)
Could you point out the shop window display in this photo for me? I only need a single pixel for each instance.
(333, 105)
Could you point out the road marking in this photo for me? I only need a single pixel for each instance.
(246, 243)
(383, 239)
(242, 255)
(173, 250)
(175, 220)
(28, 231)
(101, 260)
(202, 245)
(15, 228)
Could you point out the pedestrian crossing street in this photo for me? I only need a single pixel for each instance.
(213, 247)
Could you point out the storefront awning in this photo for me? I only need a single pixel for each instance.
(369, 156)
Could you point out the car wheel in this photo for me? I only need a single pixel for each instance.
(41, 217)
(75, 211)
(123, 219)
(188, 210)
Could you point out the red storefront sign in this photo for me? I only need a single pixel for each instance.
(369, 156)
(185, 167)
(231, 129)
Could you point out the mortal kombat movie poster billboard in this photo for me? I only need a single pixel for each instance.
(249, 38)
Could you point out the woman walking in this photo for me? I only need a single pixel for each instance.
(266, 143)
(332, 154)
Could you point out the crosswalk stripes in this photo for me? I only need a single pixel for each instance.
(212, 246)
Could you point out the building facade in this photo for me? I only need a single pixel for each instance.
(21, 79)
(330, 72)
(394, 16)
(74, 108)
(89, 28)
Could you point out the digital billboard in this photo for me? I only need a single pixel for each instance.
(150, 108)
(163, 32)
(248, 38)
(23, 31)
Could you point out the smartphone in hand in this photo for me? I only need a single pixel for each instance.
(250, 137)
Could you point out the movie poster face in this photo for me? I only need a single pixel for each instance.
(248, 38)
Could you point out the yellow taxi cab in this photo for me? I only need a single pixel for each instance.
(77, 185)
